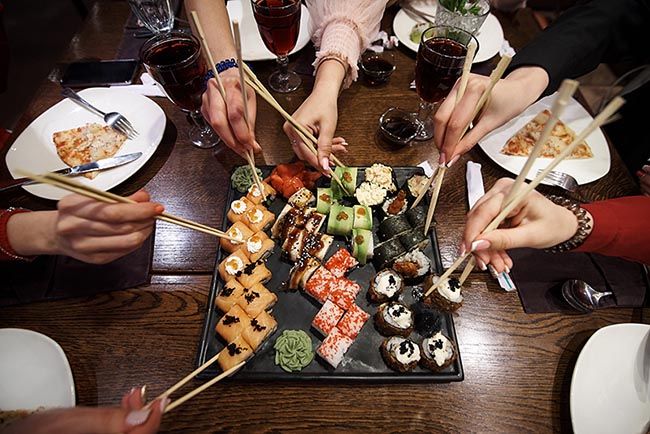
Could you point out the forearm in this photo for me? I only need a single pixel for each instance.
(216, 26)
(31, 233)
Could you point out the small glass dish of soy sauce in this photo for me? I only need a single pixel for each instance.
(377, 67)
(398, 127)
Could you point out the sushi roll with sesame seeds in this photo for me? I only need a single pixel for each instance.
(400, 354)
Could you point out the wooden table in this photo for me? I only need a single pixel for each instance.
(517, 366)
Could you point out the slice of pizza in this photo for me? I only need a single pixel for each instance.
(86, 144)
(521, 144)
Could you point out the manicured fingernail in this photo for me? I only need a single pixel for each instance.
(492, 271)
(163, 404)
(325, 163)
(442, 159)
(159, 209)
(481, 264)
(640, 173)
(507, 269)
(344, 143)
(143, 393)
(453, 160)
(480, 245)
(138, 417)
(463, 250)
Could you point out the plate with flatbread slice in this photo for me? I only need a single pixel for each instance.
(67, 135)
(510, 145)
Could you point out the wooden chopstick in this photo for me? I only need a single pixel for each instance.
(203, 387)
(187, 378)
(107, 197)
(601, 118)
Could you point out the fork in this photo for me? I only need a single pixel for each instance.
(561, 179)
(113, 119)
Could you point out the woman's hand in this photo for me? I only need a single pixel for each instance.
(536, 222)
(509, 98)
(130, 418)
(85, 229)
(227, 118)
(644, 179)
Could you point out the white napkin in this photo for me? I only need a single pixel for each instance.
(428, 170)
(149, 87)
(506, 49)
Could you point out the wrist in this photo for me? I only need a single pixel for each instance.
(575, 224)
(329, 78)
(33, 233)
(532, 80)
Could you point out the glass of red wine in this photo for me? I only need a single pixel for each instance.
(174, 60)
(279, 23)
(438, 65)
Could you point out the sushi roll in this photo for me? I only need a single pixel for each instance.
(362, 217)
(417, 216)
(302, 271)
(394, 319)
(414, 239)
(317, 245)
(413, 266)
(392, 227)
(254, 272)
(348, 177)
(255, 195)
(238, 208)
(370, 194)
(385, 253)
(414, 185)
(324, 200)
(238, 231)
(234, 264)
(340, 220)
(382, 176)
(396, 205)
(234, 353)
(341, 262)
(341, 296)
(258, 246)
(385, 286)
(314, 221)
(321, 283)
(353, 321)
(258, 218)
(229, 295)
(362, 245)
(447, 297)
(334, 347)
(427, 320)
(256, 299)
(400, 354)
(301, 198)
(278, 226)
(232, 323)
(438, 352)
(259, 329)
(293, 244)
(327, 317)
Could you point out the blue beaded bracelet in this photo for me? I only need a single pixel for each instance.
(225, 65)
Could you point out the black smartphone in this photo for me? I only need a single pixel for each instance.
(100, 73)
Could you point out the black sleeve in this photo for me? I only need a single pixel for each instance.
(598, 31)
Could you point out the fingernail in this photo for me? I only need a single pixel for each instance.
(492, 271)
(463, 250)
(143, 393)
(507, 269)
(481, 264)
(453, 160)
(159, 209)
(640, 173)
(163, 404)
(344, 143)
(442, 159)
(325, 163)
(480, 245)
(138, 417)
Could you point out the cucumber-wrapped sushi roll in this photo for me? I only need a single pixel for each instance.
(392, 227)
(362, 245)
(340, 221)
(348, 177)
(385, 253)
(362, 217)
(414, 239)
(324, 200)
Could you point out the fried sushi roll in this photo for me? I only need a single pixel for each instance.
(385, 286)
(447, 297)
(438, 352)
(400, 354)
(394, 319)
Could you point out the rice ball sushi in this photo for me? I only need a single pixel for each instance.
(394, 319)
(370, 194)
(386, 253)
(448, 296)
(400, 354)
(385, 286)
(438, 352)
(413, 266)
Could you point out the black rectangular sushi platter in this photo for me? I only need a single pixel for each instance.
(294, 310)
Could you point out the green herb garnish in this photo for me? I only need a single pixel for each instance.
(462, 7)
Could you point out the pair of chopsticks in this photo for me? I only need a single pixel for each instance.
(199, 389)
(517, 195)
(250, 156)
(106, 197)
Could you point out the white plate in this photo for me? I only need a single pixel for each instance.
(489, 36)
(35, 152)
(253, 47)
(575, 116)
(34, 372)
(610, 387)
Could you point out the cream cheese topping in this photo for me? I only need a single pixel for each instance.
(238, 206)
(255, 191)
(438, 348)
(450, 289)
(398, 316)
(234, 265)
(370, 194)
(404, 350)
(255, 216)
(236, 234)
(254, 244)
(381, 175)
(387, 283)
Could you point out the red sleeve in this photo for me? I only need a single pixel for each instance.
(7, 252)
(621, 228)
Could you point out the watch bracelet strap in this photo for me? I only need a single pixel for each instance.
(6, 251)
(584, 226)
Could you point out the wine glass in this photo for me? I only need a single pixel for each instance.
(155, 15)
(279, 23)
(438, 65)
(174, 60)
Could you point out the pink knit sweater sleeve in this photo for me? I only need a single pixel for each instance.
(342, 30)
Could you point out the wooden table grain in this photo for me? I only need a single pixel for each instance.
(517, 366)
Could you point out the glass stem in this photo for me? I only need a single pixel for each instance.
(199, 121)
(283, 65)
(424, 111)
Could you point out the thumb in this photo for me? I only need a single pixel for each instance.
(325, 137)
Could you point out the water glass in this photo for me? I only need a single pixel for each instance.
(155, 15)
(469, 21)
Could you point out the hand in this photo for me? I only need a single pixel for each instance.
(85, 229)
(536, 222)
(227, 119)
(130, 418)
(509, 98)
(644, 179)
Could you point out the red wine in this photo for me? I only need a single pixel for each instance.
(438, 66)
(177, 65)
(278, 22)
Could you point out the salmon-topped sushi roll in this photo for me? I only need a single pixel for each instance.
(259, 329)
(255, 195)
(238, 231)
(232, 323)
(258, 246)
(258, 218)
(234, 353)
(234, 264)
(238, 209)
(256, 299)
(254, 272)
(229, 295)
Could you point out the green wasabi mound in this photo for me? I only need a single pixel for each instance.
(293, 350)
(242, 178)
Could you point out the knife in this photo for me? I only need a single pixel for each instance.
(106, 163)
